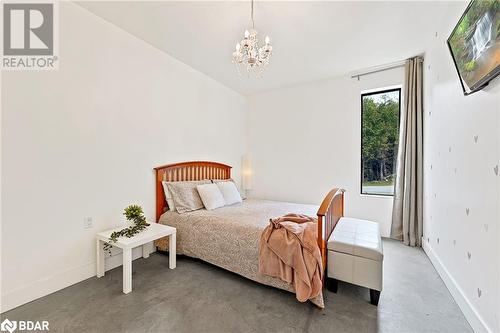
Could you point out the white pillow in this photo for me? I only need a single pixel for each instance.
(229, 192)
(211, 196)
(240, 191)
(168, 196)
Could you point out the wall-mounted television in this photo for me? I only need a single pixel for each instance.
(475, 45)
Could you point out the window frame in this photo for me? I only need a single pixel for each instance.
(364, 94)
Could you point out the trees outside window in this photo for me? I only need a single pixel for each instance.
(379, 140)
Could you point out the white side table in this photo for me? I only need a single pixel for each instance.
(152, 232)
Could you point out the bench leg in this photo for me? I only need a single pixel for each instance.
(332, 284)
(374, 296)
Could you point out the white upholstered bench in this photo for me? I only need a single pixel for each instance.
(355, 255)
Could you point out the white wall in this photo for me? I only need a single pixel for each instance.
(82, 141)
(459, 176)
(306, 139)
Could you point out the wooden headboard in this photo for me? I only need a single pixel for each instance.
(195, 170)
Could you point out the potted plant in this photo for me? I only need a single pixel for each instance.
(135, 214)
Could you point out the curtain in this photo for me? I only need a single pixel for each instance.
(408, 194)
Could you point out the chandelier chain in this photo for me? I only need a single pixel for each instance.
(253, 23)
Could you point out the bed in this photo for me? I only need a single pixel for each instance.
(228, 237)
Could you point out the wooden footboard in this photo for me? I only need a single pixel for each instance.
(329, 213)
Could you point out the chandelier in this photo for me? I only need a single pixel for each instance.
(248, 55)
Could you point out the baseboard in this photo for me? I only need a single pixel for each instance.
(58, 281)
(473, 317)
(46, 286)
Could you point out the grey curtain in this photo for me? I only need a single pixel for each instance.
(408, 195)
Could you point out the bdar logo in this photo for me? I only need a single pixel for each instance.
(24, 325)
(8, 325)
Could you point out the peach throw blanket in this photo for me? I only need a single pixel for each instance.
(289, 251)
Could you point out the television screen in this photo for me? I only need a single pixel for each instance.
(475, 44)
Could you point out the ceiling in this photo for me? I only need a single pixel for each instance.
(311, 40)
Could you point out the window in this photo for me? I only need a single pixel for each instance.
(379, 140)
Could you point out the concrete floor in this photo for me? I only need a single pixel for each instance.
(197, 297)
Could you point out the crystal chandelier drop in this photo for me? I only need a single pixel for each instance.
(249, 55)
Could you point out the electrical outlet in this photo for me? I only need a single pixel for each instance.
(87, 222)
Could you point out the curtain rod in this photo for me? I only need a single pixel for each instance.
(380, 68)
(377, 69)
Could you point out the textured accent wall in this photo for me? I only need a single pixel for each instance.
(461, 204)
